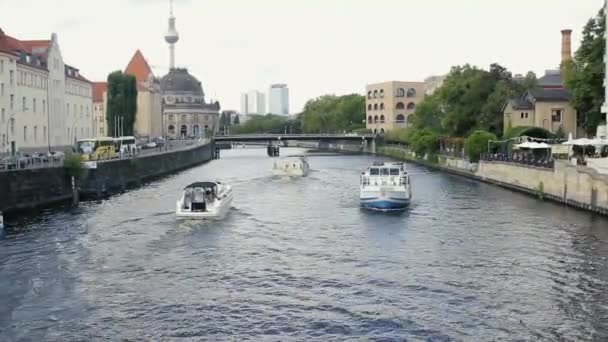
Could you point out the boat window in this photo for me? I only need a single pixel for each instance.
(384, 172)
(394, 172)
(374, 172)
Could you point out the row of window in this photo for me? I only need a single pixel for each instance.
(75, 135)
(381, 119)
(24, 108)
(184, 118)
(26, 136)
(399, 92)
(183, 130)
(75, 111)
(399, 105)
(77, 89)
(556, 115)
(31, 80)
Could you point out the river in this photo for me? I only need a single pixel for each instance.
(298, 260)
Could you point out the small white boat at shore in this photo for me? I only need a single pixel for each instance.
(385, 187)
(204, 201)
(295, 166)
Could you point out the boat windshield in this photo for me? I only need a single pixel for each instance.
(384, 172)
(374, 172)
(394, 172)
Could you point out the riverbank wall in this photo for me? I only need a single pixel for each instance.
(576, 186)
(34, 188)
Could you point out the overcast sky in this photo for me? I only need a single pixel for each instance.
(315, 46)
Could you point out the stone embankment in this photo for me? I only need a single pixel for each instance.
(33, 188)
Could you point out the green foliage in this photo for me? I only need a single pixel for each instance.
(560, 134)
(74, 166)
(469, 99)
(477, 143)
(584, 75)
(122, 101)
(237, 120)
(531, 81)
(423, 141)
(333, 114)
(270, 123)
(401, 135)
(530, 131)
(540, 191)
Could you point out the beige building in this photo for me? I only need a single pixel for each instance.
(36, 92)
(391, 104)
(99, 109)
(546, 108)
(148, 119)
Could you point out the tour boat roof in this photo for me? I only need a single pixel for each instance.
(201, 185)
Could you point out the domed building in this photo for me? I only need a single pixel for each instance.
(185, 111)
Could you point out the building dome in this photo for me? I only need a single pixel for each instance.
(180, 81)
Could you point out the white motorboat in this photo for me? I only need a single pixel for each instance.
(204, 201)
(294, 166)
(385, 187)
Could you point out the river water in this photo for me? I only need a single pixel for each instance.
(298, 260)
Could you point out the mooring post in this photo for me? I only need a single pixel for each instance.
(1, 221)
(74, 192)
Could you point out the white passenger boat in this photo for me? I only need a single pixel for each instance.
(385, 187)
(204, 201)
(295, 166)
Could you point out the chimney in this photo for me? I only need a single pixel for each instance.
(566, 45)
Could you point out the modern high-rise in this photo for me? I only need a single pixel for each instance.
(278, 99)
(253, 102)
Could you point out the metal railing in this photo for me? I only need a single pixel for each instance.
(520, 158)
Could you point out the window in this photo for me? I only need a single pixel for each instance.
(376, 106)
(24, 133)
(44, 132)
(375, 94)
(381, 106)
(68, 132)
(82, 131)
(81, 110)
(171, 129)
(522, 115)
(12, 77)
(400, 105)
(34, 105)
(381, 93)
(2, 67)
(556, 115)
(101, 130)
(381, 118)
(369, 106)
(411, 105)
(369, 94)
(23, 103)
(411, 92)
(35, 133)
(2, 89)
(184, 118)
(400, 118)
(67, 105)
(44, 106)
(375, 118)
(3, 115)
(400, 92)
(369, 119)
(12, 102)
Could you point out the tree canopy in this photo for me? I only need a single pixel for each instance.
(470, 99)
(269, 123)
(330, 113)
(584, 75)
(122, 102)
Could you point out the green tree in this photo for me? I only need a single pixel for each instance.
(531, 81)
(237, 120)
(477, 143)
(423, 141)
(330, 113)
(584, 75)
(269, 123)
(121, 102)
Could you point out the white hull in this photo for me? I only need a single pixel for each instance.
(214, 206)
(385, 187)
(291, 167)
(385, 199)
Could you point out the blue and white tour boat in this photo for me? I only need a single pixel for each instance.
(385, 187)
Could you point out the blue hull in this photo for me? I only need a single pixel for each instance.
(385, 204)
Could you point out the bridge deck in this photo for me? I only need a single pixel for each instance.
(283, 137)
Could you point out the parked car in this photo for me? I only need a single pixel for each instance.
(149, 145)
(40, 158)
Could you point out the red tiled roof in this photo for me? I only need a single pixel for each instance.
(138, 67)
(36, 44)
(98, 89)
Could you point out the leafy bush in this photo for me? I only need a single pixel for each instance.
(477, 143)
(423, 141)
(74, 166)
